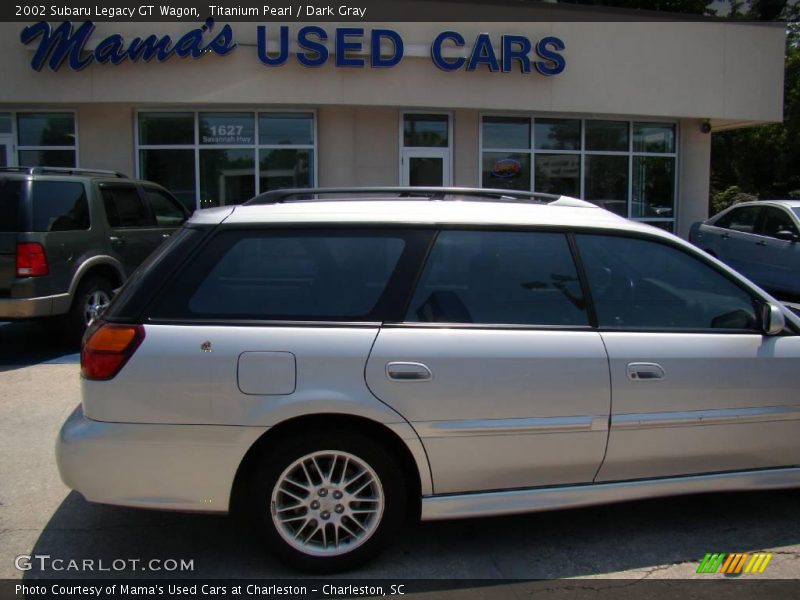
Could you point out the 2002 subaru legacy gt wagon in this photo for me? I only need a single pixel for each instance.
(331, 367)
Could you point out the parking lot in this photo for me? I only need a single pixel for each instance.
(39, 387)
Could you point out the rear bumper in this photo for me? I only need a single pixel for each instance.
(170, 467)
(26, 308)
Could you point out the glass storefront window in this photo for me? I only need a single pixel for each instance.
(166, 128)
(654, 137)
(606, 182)
(285, 168)
(626, 167)
(238, 154)
(558, 174)
(174, 169)
(227, 129)
(557, 134)
(607, 135)
(282, 129)
(653, 191)
(46, 139)
(47, 158)
(429, 131)
(46, 129)
(5, 123)
(226, 177)
(507, 171)
(506, 132)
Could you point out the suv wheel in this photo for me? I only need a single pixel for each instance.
(92, 298)
(328, 502)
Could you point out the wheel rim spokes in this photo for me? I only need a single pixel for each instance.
(96, 303)
(327, 503)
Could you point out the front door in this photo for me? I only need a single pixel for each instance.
(495, 364)
(697, 387)
(427, 167)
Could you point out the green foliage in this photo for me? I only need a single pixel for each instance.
(764, 160)
(729, 197)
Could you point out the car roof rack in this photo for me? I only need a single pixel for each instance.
(62, 171)
(403, 193)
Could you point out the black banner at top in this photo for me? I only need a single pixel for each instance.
(285, 11)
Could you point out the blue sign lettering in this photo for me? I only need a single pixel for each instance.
(67, 44)
(64, 43)
(436, 51)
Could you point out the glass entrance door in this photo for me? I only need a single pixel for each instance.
(6, 152)
(426, 167)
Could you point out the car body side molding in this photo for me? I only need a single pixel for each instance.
(510, 502)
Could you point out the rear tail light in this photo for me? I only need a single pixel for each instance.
(107, 347)
(31, 260)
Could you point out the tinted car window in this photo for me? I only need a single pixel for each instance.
(10, 199)
(124, 207)
(499, 277)
(742, 219)
(167, 211)
(59, 206)
(776, 220)
(641, 284)
(293, 275)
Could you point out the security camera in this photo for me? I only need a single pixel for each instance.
(705, 126)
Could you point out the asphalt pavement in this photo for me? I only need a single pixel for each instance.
(658, 539)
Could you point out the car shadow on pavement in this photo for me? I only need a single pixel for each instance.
(645, 535)
(26, 343)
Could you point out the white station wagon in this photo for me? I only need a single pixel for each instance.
(334, 361)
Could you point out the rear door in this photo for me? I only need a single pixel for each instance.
(697, 387)
(495, 364)
(734, 238)
(133, 234)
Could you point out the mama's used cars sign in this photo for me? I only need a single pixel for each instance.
(351, 47)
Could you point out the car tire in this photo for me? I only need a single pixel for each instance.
(93, 295)
(327, 502)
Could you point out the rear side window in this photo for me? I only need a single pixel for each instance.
(287, 275)
(124, 207)
(500, 277)
(59, 206)
(641, 284)
(10, 200)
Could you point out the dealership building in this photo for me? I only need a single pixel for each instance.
(618, 113)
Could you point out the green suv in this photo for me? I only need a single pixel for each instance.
(69, 237)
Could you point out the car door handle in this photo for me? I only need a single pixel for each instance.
(761, 243)
(117, 241)
(408, 371)
(641, 371)
(165, 235)
(725, 236)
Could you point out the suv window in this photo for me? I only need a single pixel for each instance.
(642, 284)
(287, 275)
(499, 277)
(59, 206)
(775, 220)
(10, 200)
(742, 219)
(124, 207)
(168, 212)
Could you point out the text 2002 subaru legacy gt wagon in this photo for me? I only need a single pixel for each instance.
(333, 366)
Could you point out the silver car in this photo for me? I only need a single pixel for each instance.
(758, 239)
(331, 367)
